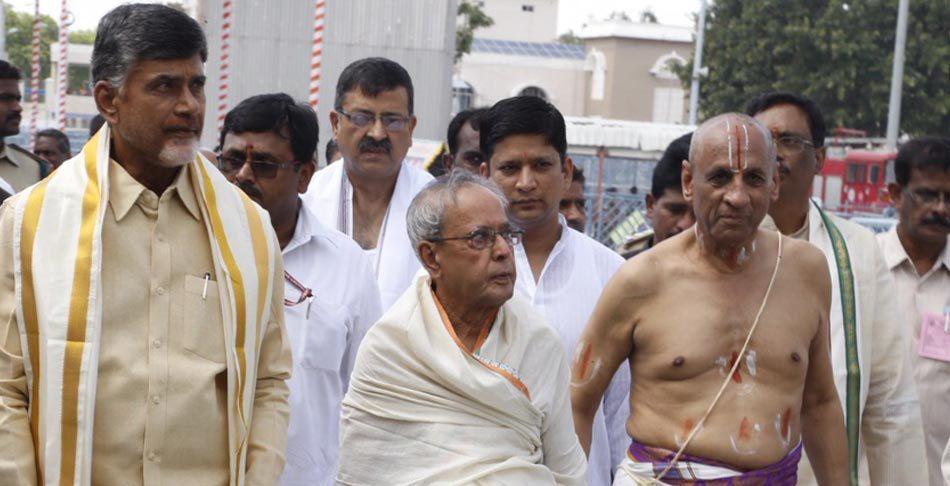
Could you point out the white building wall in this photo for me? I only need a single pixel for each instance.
(495, 77)
(520, 20)
(270, 52)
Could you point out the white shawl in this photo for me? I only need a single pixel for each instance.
(396, 262)
(423, 410)
(58, 287)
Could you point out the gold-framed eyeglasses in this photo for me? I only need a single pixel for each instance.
(482, 238)
(306, 294)
(792, 144)
(391, 122)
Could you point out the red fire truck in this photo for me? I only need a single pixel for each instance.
(854, 180)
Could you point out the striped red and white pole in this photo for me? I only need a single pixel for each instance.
(227, 17)
(63, 71)
(316, 52)
(35, 75)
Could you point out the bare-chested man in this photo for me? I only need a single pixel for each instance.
(682, 313)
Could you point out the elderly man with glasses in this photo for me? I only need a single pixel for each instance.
(868, 354)
(366, 196)
(460, 382)
(330, 295)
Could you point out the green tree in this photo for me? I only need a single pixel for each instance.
(82, 36)
(648, 17)
(19, 30)
(473, 18)
(836, 52)
(570, 37)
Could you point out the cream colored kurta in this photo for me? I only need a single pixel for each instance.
(891, 448)
(916, 296)
(160, 409)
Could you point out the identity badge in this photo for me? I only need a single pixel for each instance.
(934, 342)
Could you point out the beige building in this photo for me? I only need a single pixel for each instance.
(629, 72)
(621, 71)
(524, 20)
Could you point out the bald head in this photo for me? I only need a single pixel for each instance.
(737, 137)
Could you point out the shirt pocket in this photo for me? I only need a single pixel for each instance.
(325, 336)
(202, 335)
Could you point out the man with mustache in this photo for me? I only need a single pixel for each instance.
(19, 168)
(667, 209)
(366, 196)
(918, 255)
(460, 382)
(561, 271)
(141, 294)
(868, 354)
(462, 140)
(52, 146)
(725, 328)
(330, 296)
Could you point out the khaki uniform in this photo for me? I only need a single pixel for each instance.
(19, 167)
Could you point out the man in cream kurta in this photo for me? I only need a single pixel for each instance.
(142, 333)
(459, 382)
(917, 253)
(366, 196)
(869, 358)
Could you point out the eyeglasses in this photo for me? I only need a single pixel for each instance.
(363, 119)
(792, 144)
(262, 169)
(482, 238)
(928, 197)
(306, 295)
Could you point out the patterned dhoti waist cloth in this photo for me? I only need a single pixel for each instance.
(644, 464)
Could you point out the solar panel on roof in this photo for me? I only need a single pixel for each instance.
(531, 49)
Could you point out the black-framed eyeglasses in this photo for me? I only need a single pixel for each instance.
(792, 144)
(263, 169)
(362, 119)
(929, 197)
(482, 238)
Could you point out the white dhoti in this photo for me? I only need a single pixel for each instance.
(422, 409)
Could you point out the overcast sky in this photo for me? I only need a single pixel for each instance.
(573, 13)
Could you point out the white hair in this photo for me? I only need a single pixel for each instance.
(426, 213)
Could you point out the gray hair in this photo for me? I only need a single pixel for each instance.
(426, 213)
(140, 32)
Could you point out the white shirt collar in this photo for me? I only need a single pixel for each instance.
(895, 254)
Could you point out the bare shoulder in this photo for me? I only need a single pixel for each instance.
(644, 274)
(808, 262)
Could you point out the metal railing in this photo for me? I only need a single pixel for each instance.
(613, 217)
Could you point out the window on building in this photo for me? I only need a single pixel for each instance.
(875, 173)
(534, 91)
(463, 95)
(856, 174)
(668, 105)
(527, 8)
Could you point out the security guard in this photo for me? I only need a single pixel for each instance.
(18, 167)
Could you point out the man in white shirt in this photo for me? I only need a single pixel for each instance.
(560, 270)
(868, 354)
(330, 294)
(918, 256)
(366, 196)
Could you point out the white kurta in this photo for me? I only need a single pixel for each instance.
(890, 434)
(917, 297)
(423, 410)
(570, 284)
(395, 260)
(345, 304)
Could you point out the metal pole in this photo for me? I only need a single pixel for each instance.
(3, 31)
(697, 64)
(897, 75)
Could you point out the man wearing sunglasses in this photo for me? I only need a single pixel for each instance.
(330, 296)
(460, 382)
(918, 257)
(560, 270)
(366, 196)
(869, 356)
